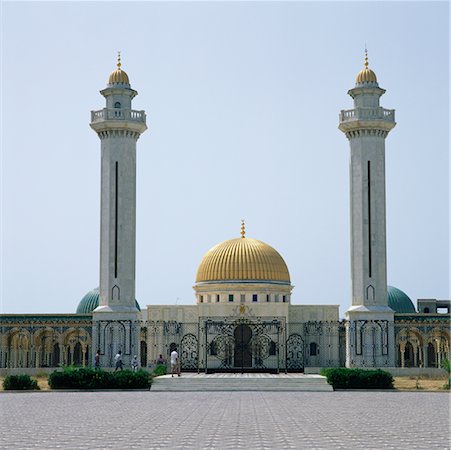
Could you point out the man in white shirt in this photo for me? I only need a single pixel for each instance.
(175, 363)
(118, 359)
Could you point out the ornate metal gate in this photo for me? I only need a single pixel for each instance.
(189, 352)
(295, 352)
(243, 344)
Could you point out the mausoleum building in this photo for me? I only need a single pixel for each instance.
(245, 315)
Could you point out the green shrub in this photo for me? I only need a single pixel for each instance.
(342, 378)
(447, 366)
(159, 370)
(86, 378)
(19, 383)
(126, 379)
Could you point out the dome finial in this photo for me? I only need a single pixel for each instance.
(366, 75)
(118, 76)
(243, 229)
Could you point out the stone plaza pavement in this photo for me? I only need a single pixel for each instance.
(224, 420)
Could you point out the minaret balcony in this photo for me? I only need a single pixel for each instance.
(118, 118)
(367, 118)
(367, 114)
(118, 114)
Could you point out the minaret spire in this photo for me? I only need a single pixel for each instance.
(119, 59)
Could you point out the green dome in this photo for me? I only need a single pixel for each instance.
(90, 302)
(399, 301)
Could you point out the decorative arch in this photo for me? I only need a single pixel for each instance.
(44, 342)
(438, 347)
(76, 344)
(409, 343)
(19, 346)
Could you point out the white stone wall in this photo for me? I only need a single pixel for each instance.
(117, 271)
(296, 315)
(243, 292)
(114, 331)
(370, 337)
(368, 225)
(306, 313)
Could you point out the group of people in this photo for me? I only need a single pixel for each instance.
(118, 361)
(175, 362)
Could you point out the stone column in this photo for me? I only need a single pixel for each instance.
(425, 355)
(438, 354)
(37, 356)
(402, 349)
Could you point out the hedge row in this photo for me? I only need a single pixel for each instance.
(160, 369)
(86, 378)
(19, 383)
(341, 378)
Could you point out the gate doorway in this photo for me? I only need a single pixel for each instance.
(243, 350)
(244, 345)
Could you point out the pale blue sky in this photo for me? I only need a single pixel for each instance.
(242, 102)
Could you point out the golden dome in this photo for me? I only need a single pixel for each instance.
(242, 259)
(366, 75)
(118, 76)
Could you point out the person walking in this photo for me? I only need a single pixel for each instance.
(118, 359)
(135, 364)
(175, 363)
(97, 360)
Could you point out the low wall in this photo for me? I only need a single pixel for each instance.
(27, 371)
(43, 371)
(432, 372)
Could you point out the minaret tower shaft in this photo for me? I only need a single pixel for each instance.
(118, 127)
(370, 320)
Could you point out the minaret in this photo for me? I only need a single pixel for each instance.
(115, 320)
(370, 334)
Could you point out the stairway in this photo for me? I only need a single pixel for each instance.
(192, 382)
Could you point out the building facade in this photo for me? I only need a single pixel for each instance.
(243, 317)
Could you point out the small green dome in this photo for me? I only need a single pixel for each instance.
(90, 302)
(399, 301)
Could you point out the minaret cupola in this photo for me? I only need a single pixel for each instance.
(118, 76)
(366, 76)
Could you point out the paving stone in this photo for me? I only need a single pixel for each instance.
(224, 420)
